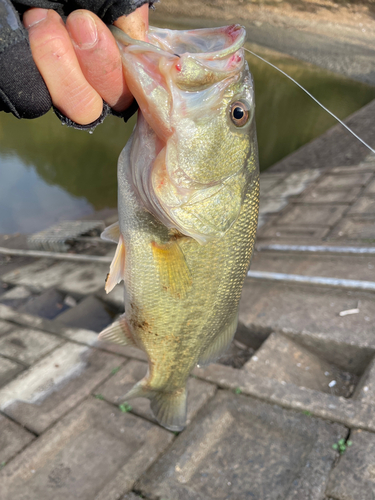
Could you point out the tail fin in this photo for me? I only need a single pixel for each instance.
(169, 408)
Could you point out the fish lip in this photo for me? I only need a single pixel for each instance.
(123, 39)
(234, 32)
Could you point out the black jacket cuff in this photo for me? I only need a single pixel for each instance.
(128, 113)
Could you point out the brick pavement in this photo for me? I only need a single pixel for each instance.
(265, 423)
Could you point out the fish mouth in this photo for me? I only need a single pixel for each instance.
(208, 43)
(197, 58)
(181, 81)
(191, 61)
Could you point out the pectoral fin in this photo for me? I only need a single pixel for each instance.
(117, 268)
(220, 344)
(174, 273)
(111, 233)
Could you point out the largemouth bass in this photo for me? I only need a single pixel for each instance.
(188, 206)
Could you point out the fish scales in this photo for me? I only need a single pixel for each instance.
(188, 206)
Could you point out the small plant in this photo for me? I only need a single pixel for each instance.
(115, 370)
(341, 445)
(237, 390)
(2, 464)
(306, 412)
(125, 407)
(99, 396)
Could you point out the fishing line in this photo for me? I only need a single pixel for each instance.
(313, 98)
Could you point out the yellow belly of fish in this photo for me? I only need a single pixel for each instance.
(177, 318)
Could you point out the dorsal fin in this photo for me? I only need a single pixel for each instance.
(111, 233)
(117, 268)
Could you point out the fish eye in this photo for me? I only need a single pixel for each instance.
(239, 113)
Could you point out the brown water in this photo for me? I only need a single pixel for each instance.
(50, 173)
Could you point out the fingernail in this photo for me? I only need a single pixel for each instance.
(34, 16)
(82, 29)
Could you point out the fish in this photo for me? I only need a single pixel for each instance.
(188, 199)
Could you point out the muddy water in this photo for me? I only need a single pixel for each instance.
(50, 173)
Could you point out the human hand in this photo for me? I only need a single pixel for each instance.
(78, 89)
(80, 61)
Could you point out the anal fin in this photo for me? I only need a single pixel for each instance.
(174, 273)
(118, 332)
(117, 268)
(220, 344)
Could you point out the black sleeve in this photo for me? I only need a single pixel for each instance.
(107, 10)
(22, 89)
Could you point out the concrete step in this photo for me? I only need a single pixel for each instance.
(312, 316)
(68, 456)
(354, 267)
(245, 448)
(54, 385)
(91, 314)
(4, 287)
(284, 360)
(47, 305)
(347, 479)
(75, 279)
(16, 296)
(8, 370)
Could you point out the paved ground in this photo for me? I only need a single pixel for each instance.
(338, 35)
(287, 414)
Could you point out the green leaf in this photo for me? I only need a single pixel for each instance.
(115, 370)
(125, 407)
(335, 446)
(349, 443)
(237, 390)
(306, 412)
(99, 396)
(341, 441)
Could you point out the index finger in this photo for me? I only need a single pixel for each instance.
(55, 58)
